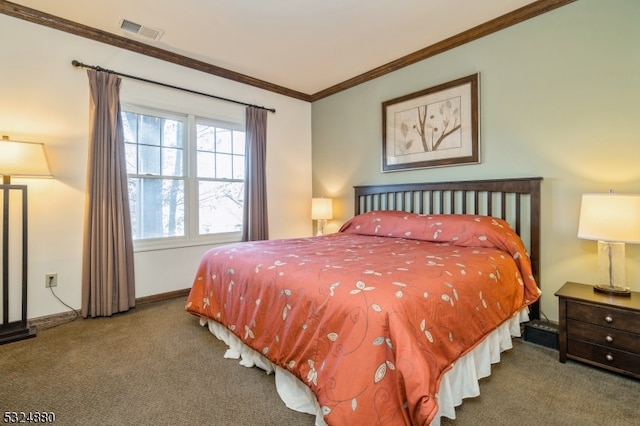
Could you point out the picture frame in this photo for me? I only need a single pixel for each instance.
(434, 127)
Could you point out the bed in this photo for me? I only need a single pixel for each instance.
(393, 319)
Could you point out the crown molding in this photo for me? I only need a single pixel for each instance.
(71, 27)
(512, 18)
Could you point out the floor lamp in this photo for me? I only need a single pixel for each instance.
(19, 160)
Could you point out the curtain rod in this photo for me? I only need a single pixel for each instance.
(98, 68)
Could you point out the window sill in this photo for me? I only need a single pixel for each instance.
(180, 242)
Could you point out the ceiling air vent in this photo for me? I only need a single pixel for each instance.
(141, 30)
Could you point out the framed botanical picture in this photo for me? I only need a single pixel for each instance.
(434, 127)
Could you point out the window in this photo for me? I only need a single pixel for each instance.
(185, 176)
(220, 163)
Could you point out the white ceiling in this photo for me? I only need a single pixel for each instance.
(303, 45)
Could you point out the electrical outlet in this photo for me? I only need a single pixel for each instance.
(51, 280)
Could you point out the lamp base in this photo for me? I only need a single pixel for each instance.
(14, 334)
(612, 290)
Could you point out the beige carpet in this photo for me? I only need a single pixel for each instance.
(156, 365)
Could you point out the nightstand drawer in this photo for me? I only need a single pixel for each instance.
(603, 336)
(605, 357)
(605, 316)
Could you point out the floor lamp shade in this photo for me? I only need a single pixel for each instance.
(613, 220)
(20, 160)
(23, 159)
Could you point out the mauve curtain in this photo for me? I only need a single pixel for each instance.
(107, 266)
(255, 223)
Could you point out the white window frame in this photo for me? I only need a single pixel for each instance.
(192, 236)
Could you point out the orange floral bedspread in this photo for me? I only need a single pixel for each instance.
(371, 317)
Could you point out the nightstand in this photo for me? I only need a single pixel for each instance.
(599, 329)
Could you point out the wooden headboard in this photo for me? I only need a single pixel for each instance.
(515, 200)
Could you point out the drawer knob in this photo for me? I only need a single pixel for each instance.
(609, 339)
(608, 318)
(609, 357)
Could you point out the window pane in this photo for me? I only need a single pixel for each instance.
(205, 136)
(171, 162)
(220, 207)
(172, 207)
(238, 143)
(223, 166)
(172, 133)
(149, 160)
(130, 152)
(157, 207)
(149, 130)
(238, 167)
(223, 140)
(206, 164)
(130, 126)
(134, 206)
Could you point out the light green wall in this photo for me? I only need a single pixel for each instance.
(559, 98)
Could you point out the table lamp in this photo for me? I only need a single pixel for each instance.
(321, 210)
(612, 220)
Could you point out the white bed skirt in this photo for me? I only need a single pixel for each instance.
(458, 383)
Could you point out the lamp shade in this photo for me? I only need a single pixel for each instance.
(610, 217)
(23, 159)
(321, 209)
